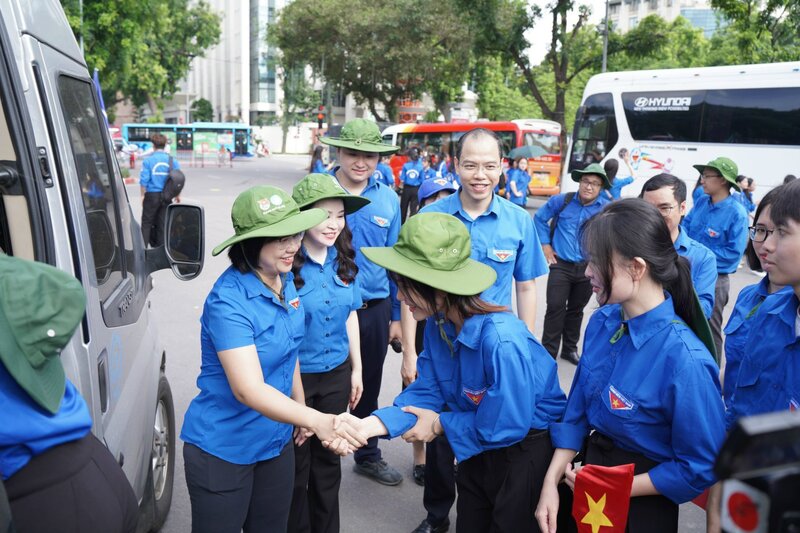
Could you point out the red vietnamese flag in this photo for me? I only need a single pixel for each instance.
(602, 497)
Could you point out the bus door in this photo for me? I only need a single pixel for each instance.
(240, 142)
(183, 139)
(595, 131)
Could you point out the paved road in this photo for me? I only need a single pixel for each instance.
(365, 505)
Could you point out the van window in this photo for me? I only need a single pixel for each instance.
(95, 180)
(664, 115)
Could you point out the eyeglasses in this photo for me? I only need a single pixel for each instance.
(666, 209)
(759, 233)
(285, 242)
(592, 184)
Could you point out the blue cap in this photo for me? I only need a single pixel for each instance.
(431, 187)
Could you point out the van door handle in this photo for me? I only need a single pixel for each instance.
(102, 380)
(44, 166)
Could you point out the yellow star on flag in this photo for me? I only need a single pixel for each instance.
(595, 516)
(615, 402)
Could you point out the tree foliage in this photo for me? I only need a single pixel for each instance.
(299, 98)
(380, 51)
(761, 31)
(202, 111)
(143, 48)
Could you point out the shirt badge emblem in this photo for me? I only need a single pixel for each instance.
(712, 233)
(502, 255)
(295, 303)
(382, 222)
(618, 401)
(475, 396)
(794, 405)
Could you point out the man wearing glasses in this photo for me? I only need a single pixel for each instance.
(568, 288)
(719, 222)
(668, 194)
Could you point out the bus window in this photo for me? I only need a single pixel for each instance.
(664, 116)
(183, 138)
(595, 131)
(546, 141)
(752, 116)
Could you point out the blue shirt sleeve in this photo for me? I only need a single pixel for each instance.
(531, 262)
(573, 429)
(394, 232)
(145, 174)
(543, 216)
(705, 281)
(228, 324)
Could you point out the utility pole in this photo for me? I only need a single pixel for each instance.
(605, 40)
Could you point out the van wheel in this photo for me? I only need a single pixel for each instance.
(158, 492)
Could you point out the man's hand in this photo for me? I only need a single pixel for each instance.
(549, 254)
(423, 430)
(301, 435)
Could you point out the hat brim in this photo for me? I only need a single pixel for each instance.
(578, 174)
(289, 226)
(46, 384)
(351, 202)
(470, 280)
(701, 168)
(376, 148)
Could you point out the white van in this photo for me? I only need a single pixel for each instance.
(63, 202)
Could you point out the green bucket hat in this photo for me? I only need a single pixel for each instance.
(362, 135)
(726, 168)
(266, 211)
(594, 168)
(434, 249)
(316, 187)
(40, 307)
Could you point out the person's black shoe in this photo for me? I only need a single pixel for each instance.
(419, 475)
(379, 471)
(427, 527)
(571, 357)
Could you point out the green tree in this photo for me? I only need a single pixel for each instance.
(142, 48)
(762, 31)
(202, 111)
(299, 98)
(499, 93)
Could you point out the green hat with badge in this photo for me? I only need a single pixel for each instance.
(361, 135)
(316, 187)
(594, 168)
(725, 167)
(266, 211)
(434, 249)
(40, 307)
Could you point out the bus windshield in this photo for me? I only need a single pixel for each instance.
(595, 131)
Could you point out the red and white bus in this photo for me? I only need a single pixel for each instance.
(442, 137)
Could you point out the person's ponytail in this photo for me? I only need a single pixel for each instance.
(681, 289)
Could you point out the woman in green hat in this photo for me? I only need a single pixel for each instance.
(238, 452)
(484, 381)
(330, 352)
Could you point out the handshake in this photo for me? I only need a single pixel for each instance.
(343, 434)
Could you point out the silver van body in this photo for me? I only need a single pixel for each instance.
(63, 202)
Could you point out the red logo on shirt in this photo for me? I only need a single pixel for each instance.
(618, 401)
(474, 395)
(712, 233)
(502, 255)
(295, 303)
(382, 222)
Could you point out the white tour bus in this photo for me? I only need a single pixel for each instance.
(669, 120)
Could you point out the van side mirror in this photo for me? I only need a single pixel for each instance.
(184, 240)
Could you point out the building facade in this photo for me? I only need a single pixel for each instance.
(625, 15)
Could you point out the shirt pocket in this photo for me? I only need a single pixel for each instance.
(343, 292)
(502, 254)
(713, 233)
(756, 391)
(618, 412)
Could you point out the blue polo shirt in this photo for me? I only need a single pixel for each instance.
(241, 311)
(383, 174)
(704, 269)
(720, 227)
(411, 173)
(503, 237)
(566, 238)
(738, 328)
(480, 385)
(746, 199)
(429, 174)
(328, 301)
(521, 180)
(27, 430)
(155, 171)
(769, 373)
(652, 388)
(376, 224)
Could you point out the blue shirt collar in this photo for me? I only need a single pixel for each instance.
(643, 327)
(371, 181)
(254, 287)
(786, 310)
(329, 258)
(470, 334)
(682, 242)
(458, 207)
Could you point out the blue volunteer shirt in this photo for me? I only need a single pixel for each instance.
(383, 174)
(411, 173)
(769, 373)
(241, 311)
(441, 169)
(155, 171)
(704, 269)
(698, 193)
(566, 239)
(654, 390)
(738, 328)
(27, 430)
(720, 227)
(430, 174)
(496, 385)
(328, 301)
(319, 167)
(746, 199)
(616, 187)
(376, 224)
(521, 180)
(503, 237)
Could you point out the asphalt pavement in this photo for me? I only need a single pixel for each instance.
(176, 307)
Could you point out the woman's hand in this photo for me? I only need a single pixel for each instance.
(356, 387)
(547, 509)
(423, 430)
(301, 435)
(408, 369)
(329, 428)
(570, 472)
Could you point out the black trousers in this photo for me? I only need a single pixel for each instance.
(317, 470)
(409, 203)
(373, 325)
(498, 490)
(568, 292)
(656, 514)
(230, 498)
(77, 486)
(154, 211)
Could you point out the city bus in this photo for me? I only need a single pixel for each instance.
(669, 120)
(442, 137)
(198, 137)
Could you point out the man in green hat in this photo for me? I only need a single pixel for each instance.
(359, 147)
(719, 222)
(558, 224)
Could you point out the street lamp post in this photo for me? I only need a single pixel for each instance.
(605, 40)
